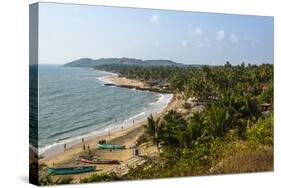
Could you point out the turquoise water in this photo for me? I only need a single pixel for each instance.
(74, 103)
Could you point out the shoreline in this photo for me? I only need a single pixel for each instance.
(116, 135)
(57, 148)
(157, 107)
(127, 136)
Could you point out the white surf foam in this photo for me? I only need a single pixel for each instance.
(152, 108)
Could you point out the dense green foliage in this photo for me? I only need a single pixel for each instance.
(100, 178)
(204, 82)
(267, 95)
(262, 131)
(48, 180)
(231, 134)
(200, 147)
(231, 120)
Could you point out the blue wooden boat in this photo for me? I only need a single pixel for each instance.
(71, 170)
(110, 146)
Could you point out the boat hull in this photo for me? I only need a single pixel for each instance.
(71, 170)
(99, 161)
(109, 146)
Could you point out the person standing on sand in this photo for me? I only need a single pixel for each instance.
(64, 146)
(82, 140)
(89, 151)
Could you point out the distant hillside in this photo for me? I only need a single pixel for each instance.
(83, 62)
(88, 62)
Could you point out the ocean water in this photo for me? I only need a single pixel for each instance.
(75, 104)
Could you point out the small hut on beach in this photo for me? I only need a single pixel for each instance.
(265, 107)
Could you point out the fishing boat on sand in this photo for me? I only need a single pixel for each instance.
(110, 146)
(98, 161)
(71, 170)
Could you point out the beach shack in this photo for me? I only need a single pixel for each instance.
(265, 107)
(164, 85)
(157, 83)
(136, 151)
(151, 83)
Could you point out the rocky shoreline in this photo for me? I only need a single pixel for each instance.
(142, 88)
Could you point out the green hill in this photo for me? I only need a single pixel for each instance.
(88, 62)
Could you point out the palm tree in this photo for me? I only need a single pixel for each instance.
(218, 120)
(153, 129)
(249, 113)
(174, 130)
(195, 128)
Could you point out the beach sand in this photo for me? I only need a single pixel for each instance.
(127, 136)
(124, 81)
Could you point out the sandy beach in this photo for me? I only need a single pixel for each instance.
(127, 136)
(124, 81)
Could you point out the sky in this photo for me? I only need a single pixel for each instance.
(68, 32)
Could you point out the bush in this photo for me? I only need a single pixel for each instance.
(100, 178)
(245, 159)
(48, 180)
(65, 180)
(267, 95)
(262, 131)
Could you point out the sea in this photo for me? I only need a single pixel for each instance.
(74, 103)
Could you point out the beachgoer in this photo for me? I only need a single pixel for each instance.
(136, 151)
(64, 146)
(84, 147)
(82, 140)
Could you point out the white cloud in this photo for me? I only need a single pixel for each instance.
(220, 35)
(234, 38)
(154, 18)
(184, 43)
(197, 31)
